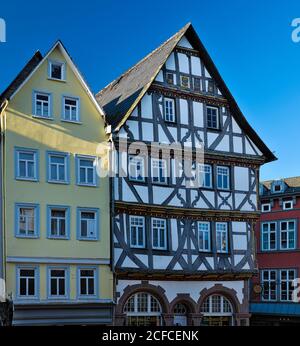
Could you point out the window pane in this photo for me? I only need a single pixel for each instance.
(56, 71)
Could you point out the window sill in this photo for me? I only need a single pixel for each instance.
(57, 80)
(87, 185)
(71, 121)
(88, 239)
(58, 238)
(34, 180)
(213, 129)
(27, 236)
(58, 182)
(41, 117)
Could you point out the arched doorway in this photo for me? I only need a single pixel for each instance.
(217, 311)
(143, 309)
(180, 314)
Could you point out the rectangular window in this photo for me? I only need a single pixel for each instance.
(41, 107)
(185, 82)
(159, 234)
(170, 78)
(137, 231)
(287, 205)
(268, 236)
(56, 70)
(57, 283)
(58, 167)
(58, 222)
(204, 236)
(88, 224)
(71, 109)
(197, 84)
(205, 175)
(159, 171)
(212, 116)
(210, 86)
(26, 164)
(169, 107)
(269, 285)
(27, 220)
(287, 235)
(27, 282)
(223, 177)
(86, 170)
(222, 237)
(136, 168)
(266, 207)
(87, 282)
(287, 278)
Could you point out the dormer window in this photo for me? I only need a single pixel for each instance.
(277, 186)
(56, 70)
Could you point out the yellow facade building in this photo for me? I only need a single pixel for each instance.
(55, 241)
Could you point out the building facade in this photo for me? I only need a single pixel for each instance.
(278, 243)
(55, 231)
(183, 254)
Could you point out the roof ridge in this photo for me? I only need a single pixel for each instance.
(116, 80)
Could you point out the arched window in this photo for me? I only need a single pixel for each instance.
(142, 309)
(217, 310)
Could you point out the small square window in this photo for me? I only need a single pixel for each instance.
(266, 207)
(277, 188)
(287, 205)
(56, 70)
(170, 78)
(185, 82)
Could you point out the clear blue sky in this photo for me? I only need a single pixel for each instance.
(249, 41)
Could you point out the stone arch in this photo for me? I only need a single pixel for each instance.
(219, 289)
(186, 300)
(157, 292)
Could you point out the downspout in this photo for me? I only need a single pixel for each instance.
(2, 189)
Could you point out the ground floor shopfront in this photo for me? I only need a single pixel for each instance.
(182, 303)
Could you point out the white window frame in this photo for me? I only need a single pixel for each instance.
(63, 70)
(206, 232)
(69, 118)
(202, 175)
(95, 236)
(162, 167)
(35, 100)
(58, 220)
(168, 115)
(35, 209)
(87, 278)
(86, 168)
(266, 205)
(222, 232)
(34, 161)
(131, 225)
(58, 165)
(268, 232)
(269, 281)
(133, 161)
(289, 282)
(36, 282)
(159, 228)
(284, 207)
(66, 284)
(217, 118)
(287, 231)
(223, 175)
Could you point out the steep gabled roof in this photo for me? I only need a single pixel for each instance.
(120, 97)
(291, 182)
(22, 76)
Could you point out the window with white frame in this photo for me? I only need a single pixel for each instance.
(137, 231)
(269, 285)
(42, 103)
(27, 282)
(86, 171)
(58, 222)
(57, 282)
(71, 109)
(26, 164)
(58, 167)
(223, 177)
(88, 224)
(56, 70)
(266, 207)
(26, 220)
(159, 171)
(136, 168)
(287, 277)
(269, 236)
(169, 107)
(87, 282)
(287, 205)
(204, 236)
(212, 117)
(287, 235)
(205, 175)
(216, 305)
(222, 237)
(159, 234)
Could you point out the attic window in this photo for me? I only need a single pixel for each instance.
(277, 188)
(56, 70)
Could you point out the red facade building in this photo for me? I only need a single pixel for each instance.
(278, 254)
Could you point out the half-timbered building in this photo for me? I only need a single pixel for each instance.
(183, 255)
